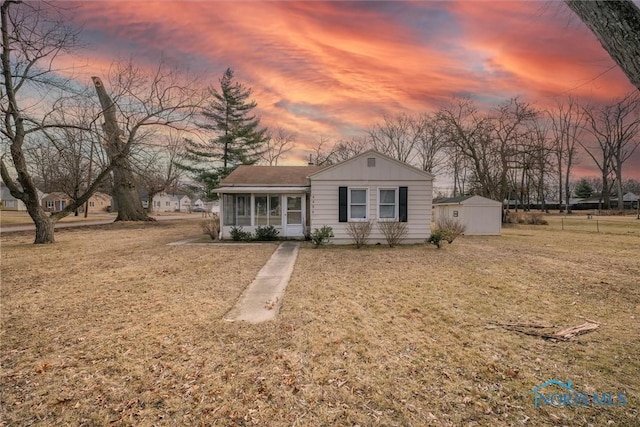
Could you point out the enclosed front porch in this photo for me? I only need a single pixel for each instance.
(286, 210)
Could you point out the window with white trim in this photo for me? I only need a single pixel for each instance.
(388, 203)
(358, 204)
(50, 204)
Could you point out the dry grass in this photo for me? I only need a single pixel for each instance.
(22, 218)
(129, 331)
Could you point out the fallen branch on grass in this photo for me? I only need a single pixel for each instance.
(563, 335)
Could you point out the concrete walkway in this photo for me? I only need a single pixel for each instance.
(261, 300)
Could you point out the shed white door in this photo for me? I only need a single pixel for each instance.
(294, 215)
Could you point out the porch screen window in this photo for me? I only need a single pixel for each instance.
(267, 210)
(229, 209)
(357, 203)
(243, 209)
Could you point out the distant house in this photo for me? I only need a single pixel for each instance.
(163, 202)
(57, 201)
(297, 199)
(481, 216)
(8, 202)
(594, 202)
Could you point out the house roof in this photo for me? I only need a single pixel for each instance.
(369, 153)
(447, 200)
(467, 201)
(282, 176)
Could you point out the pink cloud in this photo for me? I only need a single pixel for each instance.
(331, 68)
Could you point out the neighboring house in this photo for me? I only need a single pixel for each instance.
(163, 202)
(595, 202)
(297, 199)
(8, 202)
(198, 204)
(481, 216)
(54, 202)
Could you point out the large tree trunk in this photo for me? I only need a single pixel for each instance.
(124, 189)
(44, 226)
(616, 24)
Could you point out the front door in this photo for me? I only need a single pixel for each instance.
(294, 215)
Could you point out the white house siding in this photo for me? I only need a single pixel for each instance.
(387, 173)
(324, 208)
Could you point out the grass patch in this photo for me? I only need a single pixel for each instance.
(111, 325)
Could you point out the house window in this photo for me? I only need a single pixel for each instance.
(229, 209)
(267, 210)
(371, 162)
(91, 204)
(50, 204)
(455, 214)
(358, 206)
(388, 203)
(236, 209)
(168, 204)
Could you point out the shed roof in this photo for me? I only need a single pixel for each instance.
(467, 200)
(245, 175)
(448, 200)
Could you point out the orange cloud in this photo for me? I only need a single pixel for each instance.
(334, 68)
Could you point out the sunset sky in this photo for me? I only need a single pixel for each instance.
(334, 68)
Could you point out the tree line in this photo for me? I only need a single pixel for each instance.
(514, 151)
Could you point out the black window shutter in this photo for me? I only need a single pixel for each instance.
(402, 207)
(342, 204)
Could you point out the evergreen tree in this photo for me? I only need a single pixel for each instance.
(238, 140)
(583, 189)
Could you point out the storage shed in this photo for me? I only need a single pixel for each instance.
(481, 216)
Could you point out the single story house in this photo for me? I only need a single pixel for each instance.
(8, 202)
(57, 201)
(297, 199)
(481, 216)
(163, 202)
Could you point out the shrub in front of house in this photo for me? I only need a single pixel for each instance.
(394, 232)
(321, 236)
(451, 227)
(266, 233)
(437, 237)
(239, 235)
(359, 232)
(211, 226)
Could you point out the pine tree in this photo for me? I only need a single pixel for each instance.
(583, 189)
(238, 140)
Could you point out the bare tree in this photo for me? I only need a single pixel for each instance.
(34, 35)
(431, 143)
(615, 127)
(511, 136)
(567, 120)
(323, 152)
(469, 133)
(348, 148)
(278, 143)
(142, 103)
(616, 24)
(541, 152)
(396, 136)
(155, 165)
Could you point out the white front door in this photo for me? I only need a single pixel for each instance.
(294, 215)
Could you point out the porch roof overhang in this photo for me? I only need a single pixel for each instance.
(241, 190)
